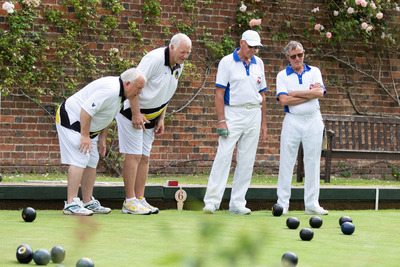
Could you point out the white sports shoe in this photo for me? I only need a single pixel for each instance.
(242, 211)
(143, 201)
(317, 211)
(209, 208)
(94, 205)
(76, 208)
(285, 211)
(135, 207)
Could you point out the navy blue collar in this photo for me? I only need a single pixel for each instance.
(121, 90)
(237, 58)
(166, 63)
(289, 69)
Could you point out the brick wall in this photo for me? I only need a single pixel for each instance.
(28, 139)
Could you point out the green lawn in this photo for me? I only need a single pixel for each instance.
(191, 238)
(199, 179)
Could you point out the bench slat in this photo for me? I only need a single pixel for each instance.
(366, 146)
(346, 133)
(372, 136)
(353, 134)
(379, 136)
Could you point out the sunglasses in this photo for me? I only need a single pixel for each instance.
(251, 47)
(300, 55)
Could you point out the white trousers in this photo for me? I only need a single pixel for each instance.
(244, 127)
(307, 129)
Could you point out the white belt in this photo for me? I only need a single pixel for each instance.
(247, 106)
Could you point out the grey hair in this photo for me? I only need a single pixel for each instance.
(177, 38)
(292, 45)
(132, 74)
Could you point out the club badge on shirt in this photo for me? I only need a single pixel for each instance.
(176, 74)
(258, 80)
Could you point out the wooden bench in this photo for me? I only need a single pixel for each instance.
(356, 137)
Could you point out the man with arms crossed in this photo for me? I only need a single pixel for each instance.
(298, 88)
(143, 118)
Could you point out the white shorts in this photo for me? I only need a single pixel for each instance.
(131, 140)
(69, 147)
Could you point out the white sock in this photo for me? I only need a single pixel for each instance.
(128, 200)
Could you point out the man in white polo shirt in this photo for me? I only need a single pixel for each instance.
(241, 112)
(298, 88)
(143, 118)
(82, 121)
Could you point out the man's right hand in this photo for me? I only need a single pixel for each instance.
(86, 145)
(138, 121)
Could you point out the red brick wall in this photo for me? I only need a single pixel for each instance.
(28, 139)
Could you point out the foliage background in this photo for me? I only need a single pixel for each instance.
(48, 52)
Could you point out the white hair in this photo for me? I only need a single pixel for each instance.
(132, 74)
(178, 38)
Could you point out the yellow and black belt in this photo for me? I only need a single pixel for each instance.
(63, 119)
(151, 114)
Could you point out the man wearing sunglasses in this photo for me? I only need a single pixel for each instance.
(299, 87)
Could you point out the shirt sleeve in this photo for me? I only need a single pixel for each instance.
(99, 100)
(222, 79)
(263, 84)
(148, 65)
(318, 78)
(281, 87)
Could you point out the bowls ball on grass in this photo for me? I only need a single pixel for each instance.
(348, 228)
(306, 234)
(315, 222)
(41, 257)
(84, 262)
(57, 254)
(277, 209)
(344, 219)
(292, 223)
(289, 259)
(29, 214)
(24, 253)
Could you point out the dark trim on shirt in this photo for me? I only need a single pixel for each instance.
(121, 90)
(166, 60)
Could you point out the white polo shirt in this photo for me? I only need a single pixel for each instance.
(242, 83)
(288, 80)
(101, 99)
(161, 85)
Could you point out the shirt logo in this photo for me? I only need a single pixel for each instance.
(93, 105)
(258, 80)
(176, 75)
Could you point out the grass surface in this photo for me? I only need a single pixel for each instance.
(200, 179)
(191, 238)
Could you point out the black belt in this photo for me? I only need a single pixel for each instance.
(76, 126)
(127, 113)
